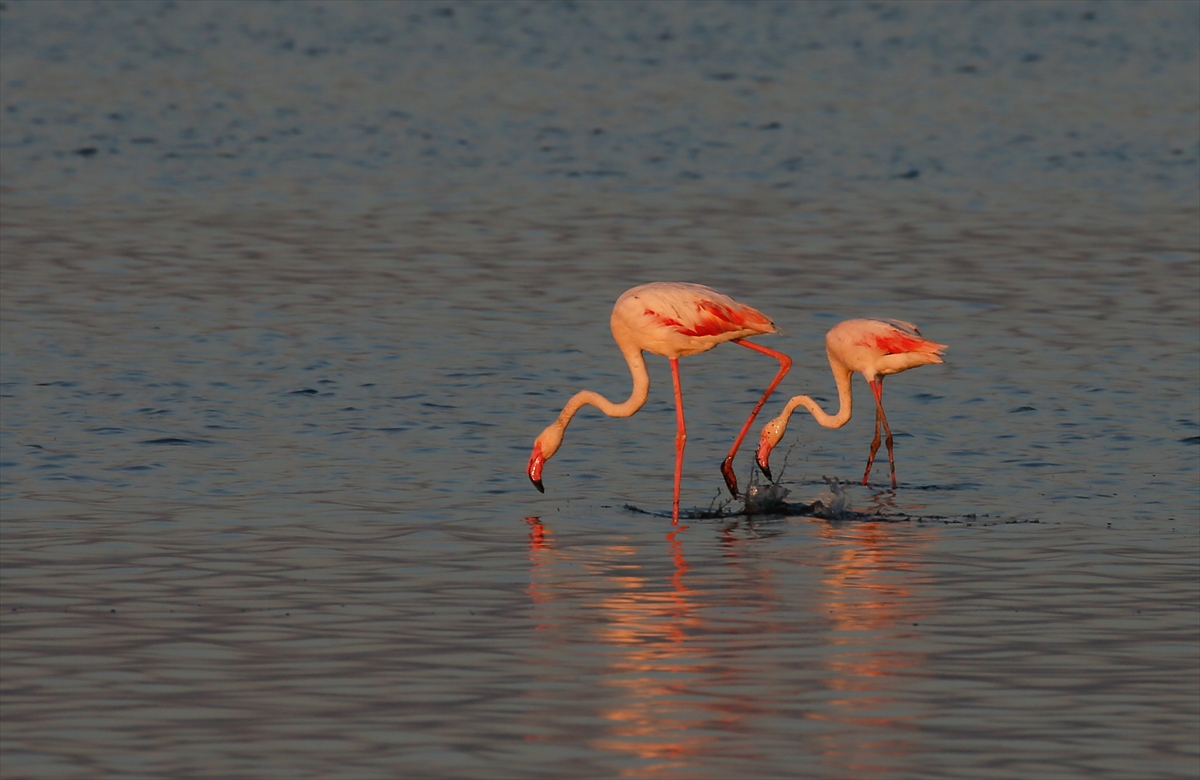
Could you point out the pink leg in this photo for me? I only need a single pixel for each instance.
(680, 439)
(785, 364)
(887, 429)
(880, 419)
(877, 391)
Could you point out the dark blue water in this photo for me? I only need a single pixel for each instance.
(289, 289)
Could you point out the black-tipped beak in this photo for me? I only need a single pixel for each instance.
(765, 469)
(730, 477)
(536, 461)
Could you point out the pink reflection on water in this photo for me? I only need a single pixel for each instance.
(869, 600)
(686, 668)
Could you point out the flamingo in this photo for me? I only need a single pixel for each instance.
(671, 319)
(873, 348)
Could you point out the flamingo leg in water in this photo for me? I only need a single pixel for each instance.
(888, 430)
(875, 441)
(880, 419)
(680, 439)
(785, 364)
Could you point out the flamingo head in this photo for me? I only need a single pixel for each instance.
(772, 432)
(544, 447)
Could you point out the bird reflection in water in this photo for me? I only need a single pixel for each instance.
(660, 660)
(679, 658)
(870, 604)
(659, 667)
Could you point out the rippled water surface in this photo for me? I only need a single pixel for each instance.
(289, 289)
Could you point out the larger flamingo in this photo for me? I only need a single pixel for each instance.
(671, 319)
(873, 348)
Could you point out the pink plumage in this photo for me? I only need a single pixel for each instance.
(671, 319)
(874, 348)
(674, 319)
(878, 347)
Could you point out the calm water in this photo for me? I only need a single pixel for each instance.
(288, 290)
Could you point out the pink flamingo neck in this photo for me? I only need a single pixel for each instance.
(549, 440)
(637, 398)
(841, 375)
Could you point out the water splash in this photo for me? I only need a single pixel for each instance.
(838, 508)
(762, 499)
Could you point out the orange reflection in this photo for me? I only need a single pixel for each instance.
(539, 547)
(869, 600)
(537, 537)
(652, 625)
(673, 671)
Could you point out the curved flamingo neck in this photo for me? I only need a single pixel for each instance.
(637, 398)
(841, 375)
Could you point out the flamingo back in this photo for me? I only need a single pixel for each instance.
(881, 346)
(674, 319)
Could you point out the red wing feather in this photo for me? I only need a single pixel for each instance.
(713, 319)
(896, 343)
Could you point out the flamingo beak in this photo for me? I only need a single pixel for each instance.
(763, 456)
(536, 461)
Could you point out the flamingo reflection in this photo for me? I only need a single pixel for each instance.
(680, 657)
(658, 664)
(869, 602)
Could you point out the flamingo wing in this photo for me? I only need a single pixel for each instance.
(699, 311)
(896, 337)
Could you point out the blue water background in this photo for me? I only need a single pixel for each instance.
(287, 290)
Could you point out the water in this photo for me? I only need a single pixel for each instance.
(275, 350)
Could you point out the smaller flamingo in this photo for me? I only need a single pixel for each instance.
(873, 348)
